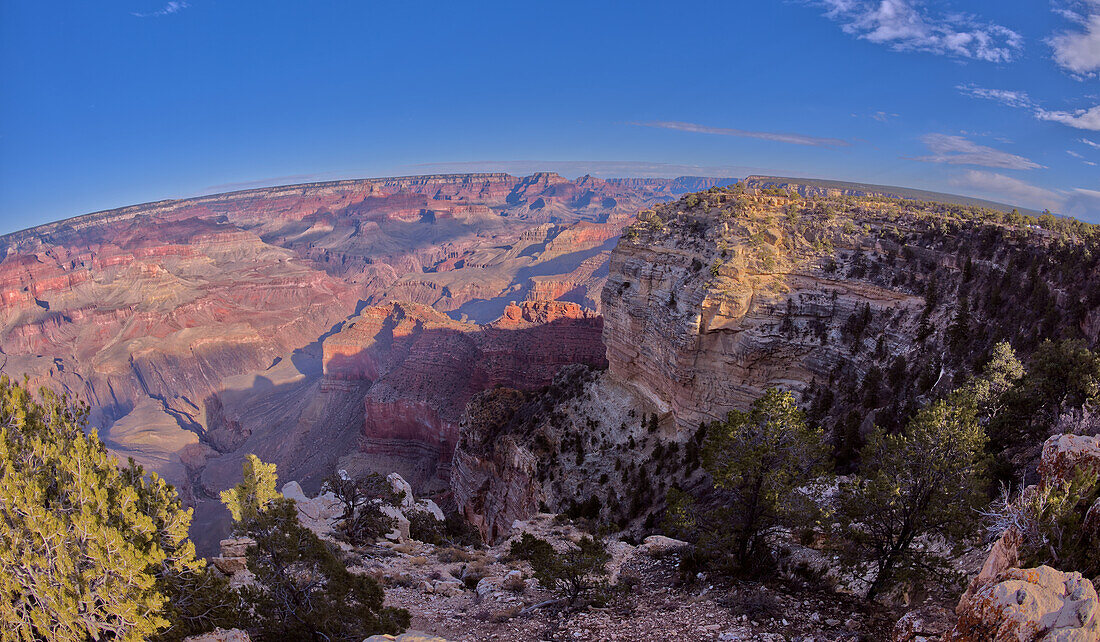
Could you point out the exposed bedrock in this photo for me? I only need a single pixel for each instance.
(707, 305)
(864, 308)
(423, 367)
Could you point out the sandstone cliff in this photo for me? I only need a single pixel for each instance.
(858, 304)
(865, 308)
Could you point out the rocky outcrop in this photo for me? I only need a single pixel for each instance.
(494, 478)
(232, 555)
(1066, 455)
(1008, 603)
(712, 299)
(1026, 605)
(586, 445)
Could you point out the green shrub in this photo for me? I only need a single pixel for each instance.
(362, 521)
(1054, 523)
(926, 480)
(757, 460)
(575, 574)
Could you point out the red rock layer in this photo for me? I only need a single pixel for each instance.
(424, 366)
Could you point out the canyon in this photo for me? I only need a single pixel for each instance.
(543, 353)
(308, 323)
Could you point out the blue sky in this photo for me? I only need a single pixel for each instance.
(110, 103)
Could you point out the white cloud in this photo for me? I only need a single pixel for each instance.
(956, 150)
(1083, 204)
(1079, 51)
(905, 26)
(1080, 118)
(1004, 96)
(779, 137)
(1073, 153)
(172, 7)
(1090, 143)
(1005, 188)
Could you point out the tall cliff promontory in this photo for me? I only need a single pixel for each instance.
(865, 307)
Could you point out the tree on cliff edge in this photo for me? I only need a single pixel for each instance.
(256, 490)
(927, 480)
(304, 590)
(757, 460)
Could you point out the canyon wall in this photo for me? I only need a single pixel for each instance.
(865, 308)
(192, 327)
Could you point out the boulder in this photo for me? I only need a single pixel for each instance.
(659, 545)
(1030, 605)
(400, 531)
(235, 546)
(319, 514)
(1004, 555)
(293, 490)
(448, 588)
(924, 624)
(232, 559)
(487, 585)
(1064, 455)
(428, 506)
(229, 565)
(402, 489)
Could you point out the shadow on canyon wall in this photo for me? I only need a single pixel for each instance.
(403, 419)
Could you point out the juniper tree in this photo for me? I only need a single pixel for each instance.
(926, 480)
(573, 573)
(256, 490)
(304, 590)
(89, 550)
(757, 460)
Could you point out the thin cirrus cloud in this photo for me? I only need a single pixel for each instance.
(1078, 50)
(956, 150)
(1008, 188)
(1088, 119)
(779, 137)
(172, 7)
(1003, 96)
(1090, 143)
(904, 25)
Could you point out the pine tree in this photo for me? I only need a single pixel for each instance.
(757, 459)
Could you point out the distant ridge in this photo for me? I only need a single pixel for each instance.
(674, 186)
(678, 185)
(819, 187)
(171, 203)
